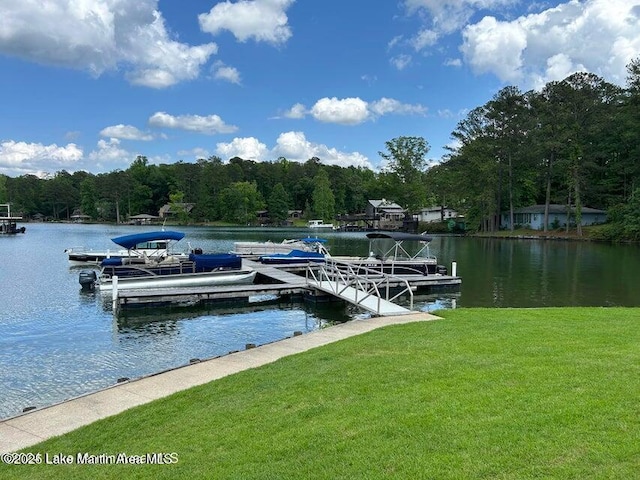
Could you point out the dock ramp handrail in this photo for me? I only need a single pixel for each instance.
(360, 285)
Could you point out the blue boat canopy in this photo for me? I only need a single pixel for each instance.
(130, 241)
(313, 240)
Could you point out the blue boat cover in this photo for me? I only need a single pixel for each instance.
(293, 256)
(111, 262)
(130, 241)
(313, 240)
(207, 262)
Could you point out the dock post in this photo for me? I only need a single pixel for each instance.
(114, 294)
(454, 269)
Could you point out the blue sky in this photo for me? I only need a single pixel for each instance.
(91, 84)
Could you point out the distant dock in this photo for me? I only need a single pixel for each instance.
(281, 280)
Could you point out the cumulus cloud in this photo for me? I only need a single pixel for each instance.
(109, 155)
(294, 146)
(346, 111)
(209, 125)
(354, 111)
(99, 36)
(260, 20)
(125, 132)
(21, 158)
(226, 73)
(601, 36)
(248, 148)
(297, 111)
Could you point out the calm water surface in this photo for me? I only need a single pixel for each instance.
(57, 342)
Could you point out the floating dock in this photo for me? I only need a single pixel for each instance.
(287, 281)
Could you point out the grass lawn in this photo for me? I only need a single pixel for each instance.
(484, 393)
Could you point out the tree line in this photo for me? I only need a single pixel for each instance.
(575, 142)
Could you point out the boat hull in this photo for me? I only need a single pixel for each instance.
(199, 279)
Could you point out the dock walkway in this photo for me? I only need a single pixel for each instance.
(278, 281)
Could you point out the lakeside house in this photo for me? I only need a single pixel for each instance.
(171, 210)
(385, 214)
(436, 213)
(533, 217)
(143, 219)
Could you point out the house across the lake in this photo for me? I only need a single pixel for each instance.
(533, 217)
(436, 213)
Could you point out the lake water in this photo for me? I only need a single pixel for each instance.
(57, 342)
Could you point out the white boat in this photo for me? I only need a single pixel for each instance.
(258, 249)
(387, 253)
(146, 244)
(169, 272)
(320, 224)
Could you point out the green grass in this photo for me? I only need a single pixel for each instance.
(484, 393)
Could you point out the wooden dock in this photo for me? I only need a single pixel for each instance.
(274, 280)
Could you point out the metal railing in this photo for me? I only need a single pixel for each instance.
(337, 277)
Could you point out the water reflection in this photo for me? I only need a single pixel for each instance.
(57, 341)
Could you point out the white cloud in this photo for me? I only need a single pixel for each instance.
(447, 16)
(400, 62)
(495, 46)
(347, 111)
(261, 20)
(297, 111)
(601, 36)
(386, 106)
(295, 147)
(354, 111)
(21, 158)
(224, 72)
(248, 148)
(425, 38)
(209, 125)
(125, 132)
(109, 156)
(195, 153)
(98, 36)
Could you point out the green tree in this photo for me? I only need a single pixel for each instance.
(322, 197)
(176, 201)
(278, 204)
(88, 197)
(241, 201)
(406, 165)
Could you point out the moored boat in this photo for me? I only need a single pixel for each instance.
(388, 254)
(258, 249)
(157, 244)
(320, 224)
(294, 256)
(169, 272)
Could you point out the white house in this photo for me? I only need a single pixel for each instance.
(436, 214)
(533, 217)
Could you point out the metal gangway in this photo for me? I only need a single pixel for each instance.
(362, 286)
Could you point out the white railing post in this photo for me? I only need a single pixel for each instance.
(454, 269)
(114, 293)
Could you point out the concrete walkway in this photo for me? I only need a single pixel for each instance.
(38, 425)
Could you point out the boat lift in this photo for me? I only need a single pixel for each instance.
(8, 224)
